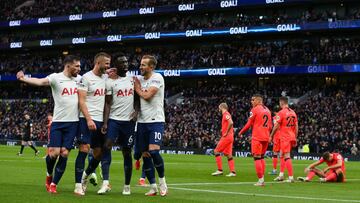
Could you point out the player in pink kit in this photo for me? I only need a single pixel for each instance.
(225, 144)
(334, 172)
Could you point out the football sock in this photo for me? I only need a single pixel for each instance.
(94, 163)
(158, 162)
(105, 164)
(22, 149)
(282, 165)
(218, 162)
(289, 166)
(59, 169)
(79, 166)
(32, 147)
(274, 161)
(310, 175)
(231, 165)
(127, 167)
(148, 167)
(263, 165)
(50, 163)
(258, 168)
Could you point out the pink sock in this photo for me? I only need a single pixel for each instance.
(218, 162)
(259, 169)
(289, 167)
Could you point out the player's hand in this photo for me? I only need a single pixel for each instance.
(104, 129)
(112, 73)
(240, 135)
(134, 115)
(20, 75)
(307, 170)
(137, 85)
(91, 125)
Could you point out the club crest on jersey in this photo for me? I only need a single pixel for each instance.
(125, 93)
(69, 91)
(99, 92)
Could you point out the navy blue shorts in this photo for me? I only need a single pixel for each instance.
(95, 138)
(62, 134)
(148, 133)
(121, 132)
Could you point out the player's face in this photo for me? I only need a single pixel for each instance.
(145, 68)
(123, 64)
(74, 68)
(220, 108)
(104, 64)
(254, 101)
(49, 117)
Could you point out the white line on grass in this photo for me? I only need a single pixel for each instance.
(263, 195)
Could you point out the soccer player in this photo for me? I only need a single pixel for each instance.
(26, 139)
(287, 123)
(225, 144)
(335, 172)
(276, 149)
(119, 119)
(91, 103)
(260, 122)
(49, 121)
(150, 86)
(66, 116)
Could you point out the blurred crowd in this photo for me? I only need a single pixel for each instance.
(328, 51)
(233, 18)
(27, 9)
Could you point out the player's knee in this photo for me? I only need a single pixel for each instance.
(108, 144)
(84, 148)
(64, 153)
(154, 147)
(97, 152)
(146, 154)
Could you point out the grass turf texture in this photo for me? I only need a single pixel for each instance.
(188, 176)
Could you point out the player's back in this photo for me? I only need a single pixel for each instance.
(225, 124)
(262, 123)
(335, 158)
(288, 122)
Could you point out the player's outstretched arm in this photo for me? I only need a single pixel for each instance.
(32, 81)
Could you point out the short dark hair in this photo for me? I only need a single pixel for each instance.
(284, 99)
(101, 54)
(152, 60)
(326, 155)
(116, 58)
(70, 59)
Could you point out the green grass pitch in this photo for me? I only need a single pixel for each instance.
(188, 176)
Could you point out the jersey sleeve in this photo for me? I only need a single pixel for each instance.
(321, 160)
(278, 118)
(52, 79)
(84, 84)
(156, 81)
(109, 90)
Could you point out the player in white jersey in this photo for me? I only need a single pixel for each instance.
(66, 116)
(150, 86)
(91, 103)
(119, 122)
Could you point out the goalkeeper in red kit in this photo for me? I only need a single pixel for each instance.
(225, 144)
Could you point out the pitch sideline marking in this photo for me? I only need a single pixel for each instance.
(263, 195)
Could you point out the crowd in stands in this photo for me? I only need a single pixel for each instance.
(328, 120)
(178, 22)
(332, 51)
(27, 9)
(12, 118)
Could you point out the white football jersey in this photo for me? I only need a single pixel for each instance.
(65, 94)
(122, 91)
(153, 110)
(95, 98)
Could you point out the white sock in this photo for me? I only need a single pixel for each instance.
(153, 186)
(261, 179)
(105, 182)
(162, 180)
(78, 185)
(281, 174)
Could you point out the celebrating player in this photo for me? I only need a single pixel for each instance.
(335, 172)
(260, 122)
(119, 116)
(66, 116)
(225, 144)
(150, 129)
(287, 123)
(91, 103)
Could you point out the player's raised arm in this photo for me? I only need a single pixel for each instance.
(32, 81)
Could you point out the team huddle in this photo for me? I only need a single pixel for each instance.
(98, 110)
(282, 131)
